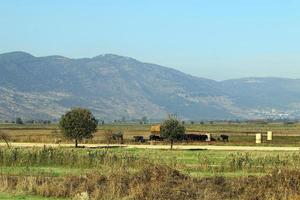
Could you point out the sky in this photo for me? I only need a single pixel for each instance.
(214, 39)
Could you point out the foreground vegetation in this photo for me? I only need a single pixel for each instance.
(7, 196)
(149, 174)
(121, 173)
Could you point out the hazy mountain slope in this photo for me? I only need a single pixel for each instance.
(38, 105)
(115, 86)
(112, 86)
(277, 93)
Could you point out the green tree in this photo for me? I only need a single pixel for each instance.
(171, 129)
(19, 121)
(78, 124)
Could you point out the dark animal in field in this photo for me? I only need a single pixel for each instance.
(139, 139)
(118, 136)
(224, 138)
(196, 137)
(212, 139)
(155, 138)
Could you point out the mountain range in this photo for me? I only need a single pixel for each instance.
(114, 87)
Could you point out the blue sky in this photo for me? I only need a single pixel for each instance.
(211, 39)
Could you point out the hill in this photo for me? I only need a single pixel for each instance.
(113, 87)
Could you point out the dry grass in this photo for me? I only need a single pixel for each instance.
(119, 174)
(158, 182)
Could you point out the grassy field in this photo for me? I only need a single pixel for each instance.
(123, 173)
(239, 134)
(192, 163)
(119, 173)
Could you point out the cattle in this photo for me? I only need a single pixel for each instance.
(139, 139)
(196, 137)
(224, 138)
(118, 137)
(155, 138)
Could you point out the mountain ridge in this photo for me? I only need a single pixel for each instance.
(115, 86)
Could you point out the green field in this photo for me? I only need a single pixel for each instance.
(203, 163)
(65, 172)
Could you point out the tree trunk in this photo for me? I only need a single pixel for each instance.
(172, 144)
(76, 143)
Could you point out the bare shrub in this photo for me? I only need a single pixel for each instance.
(5, 138)
(108, 136)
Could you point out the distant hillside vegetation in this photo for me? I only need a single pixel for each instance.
(114, 87)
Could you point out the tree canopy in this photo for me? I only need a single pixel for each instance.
(172, 129)
(19, 121)
(78, 124)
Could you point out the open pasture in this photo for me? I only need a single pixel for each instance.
(239, 134)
